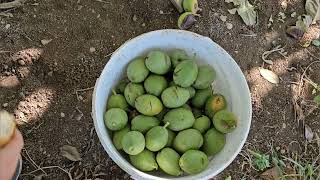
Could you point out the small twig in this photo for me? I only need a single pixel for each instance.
(15, 3)
(32, 161)
(52, 167)
(82, 90)
(109, 54)
(278, 49)
(249, 35)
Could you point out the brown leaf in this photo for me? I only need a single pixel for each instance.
(70, 153)
(308, 133)
(270, 174)
(269, 76)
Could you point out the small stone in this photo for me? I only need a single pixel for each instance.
(45, 41)
(80, 98)
(62, 115)
(21, 94)
(21, 62)
(92, 49)
(284, 125)
(50, 73)
(5, 67)
(134, 18)
(293, 14)
(98, 16)
(7, 26)
(283, 151)
(5, 105)
(55, 63)
(236, 52)
(223, 18)
(143, 24)
(161, 12)
(34, 16)
(13, 70)
(229, 26)
(277, 148)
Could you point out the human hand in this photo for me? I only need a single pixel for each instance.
(9, 156)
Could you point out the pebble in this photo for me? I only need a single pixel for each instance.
(229, 26)
(7, 26)
(5, 67)
(283, 151)
(21, 62)
(143, 24)
(223, 18)
(277, 148)
(161, 12)
(80, 98)
(5, 105)
(50, 73)
(62, 115)
(92, 49)
(45, 41)
(55, 63)
(293, 14)
(284, 125)
(134, 18)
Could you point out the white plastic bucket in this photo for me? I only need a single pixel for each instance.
(230, 82)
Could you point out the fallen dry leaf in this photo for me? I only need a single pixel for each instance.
(269, 76)
(70, 153)
(45, 41)
(313, 9)
(308, 133)
(12, 4)
(270, 174)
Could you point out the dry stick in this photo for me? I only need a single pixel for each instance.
(278, 49)
(51, 167)
(82, 90)
(15, 3)
(32, 162)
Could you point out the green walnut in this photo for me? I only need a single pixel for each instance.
(132, 91)
(202, 124)
(185, 73)
(158, 62)
(148, 105)
(117, 101)
(186, 20)
(155, 84)
(171, 136)
(225, 121)
(187, 139)
(174, 96)
(206, 76)
(144, 123)
(191, 6)
(196, 112)
(115, 119)
(201, 97)
(137, 70)
(215, 103)
(177, 56)
(192, 91)
(145, 161)
(157, 138)
(179, 119)
(118, 135)
(133, 142)
(168, 160)
(187, 106)
(121, 86)
(214, 142)
(193, 161)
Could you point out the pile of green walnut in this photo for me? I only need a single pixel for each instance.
(165, 116)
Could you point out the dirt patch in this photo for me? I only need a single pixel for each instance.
(42, 94)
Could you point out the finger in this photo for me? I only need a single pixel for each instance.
(15, 144)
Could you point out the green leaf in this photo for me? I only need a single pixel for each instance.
(317, 99)
(261, 161)
(313, 9)
(316, 42)
(228, 178)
